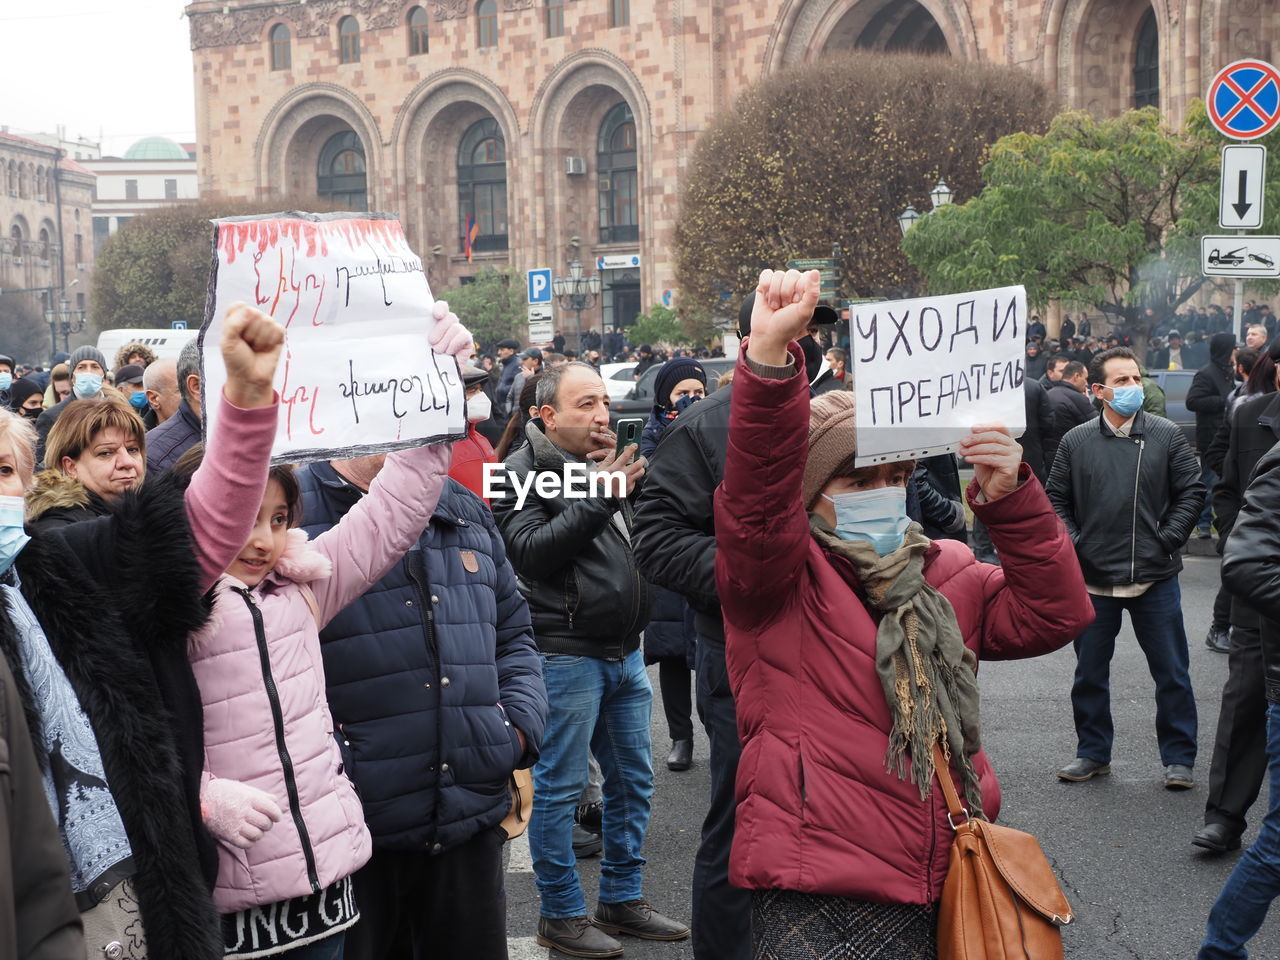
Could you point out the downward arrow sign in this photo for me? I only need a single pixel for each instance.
(1240, 206)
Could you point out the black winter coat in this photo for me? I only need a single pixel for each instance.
(1129, 503)
(1207, 398)
(1040, 440)
(122, 641)
(1253, 430)
(575, 567)
(1069, 407)
(1251, 561)
(448, 609)
(674, 535)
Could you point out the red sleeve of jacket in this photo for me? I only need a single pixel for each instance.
(762, 529)
(1035, 602)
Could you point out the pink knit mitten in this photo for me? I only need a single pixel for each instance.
(237, 813)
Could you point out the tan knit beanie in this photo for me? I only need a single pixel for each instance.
(832, 440)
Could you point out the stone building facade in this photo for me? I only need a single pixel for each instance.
(558, 129)
(46, 200)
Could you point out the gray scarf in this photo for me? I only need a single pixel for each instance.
(928, 674)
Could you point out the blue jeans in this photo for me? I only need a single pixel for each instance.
(602, 707)
(330, 948)
(1157, 621)
(1255, 882)
(1210, 480)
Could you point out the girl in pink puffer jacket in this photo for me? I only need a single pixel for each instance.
(289, 824)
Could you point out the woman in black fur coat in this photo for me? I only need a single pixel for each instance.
(99, 655)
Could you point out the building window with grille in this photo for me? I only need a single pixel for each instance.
(131, 189)
(417, 31)
(348, 40)
(487, 23)
(619, 13)
(340, 172)
(482, 186)
(555, 18)
(79, 245)
(1146, 64)
(281, 55)
(616, 165)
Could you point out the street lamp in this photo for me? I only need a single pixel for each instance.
(907, 219)
(939, 196)
(63, 320)
(576, 292)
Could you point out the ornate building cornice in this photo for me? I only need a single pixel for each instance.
(247, 25)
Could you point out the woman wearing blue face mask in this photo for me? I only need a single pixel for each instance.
(6, 379)
(852, 642)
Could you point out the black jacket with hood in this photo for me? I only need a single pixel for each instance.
(1213, 382)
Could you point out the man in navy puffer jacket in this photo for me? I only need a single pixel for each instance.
(437, 696)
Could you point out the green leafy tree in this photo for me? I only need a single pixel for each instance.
(155, 268)
(659, 325)
(1100, 213)
(492, 306)
(832, 152)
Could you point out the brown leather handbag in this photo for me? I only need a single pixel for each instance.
(1001, 900)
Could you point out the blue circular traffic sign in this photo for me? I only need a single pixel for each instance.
(1244, 100)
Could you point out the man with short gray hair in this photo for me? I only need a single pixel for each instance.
(160, 381)
(572, 553)
(171, 439)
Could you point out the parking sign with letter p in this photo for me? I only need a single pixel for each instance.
(540, 285)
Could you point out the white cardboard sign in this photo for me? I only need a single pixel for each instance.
(926, 370)
(357, 375)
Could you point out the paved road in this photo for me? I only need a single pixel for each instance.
(1120, 844)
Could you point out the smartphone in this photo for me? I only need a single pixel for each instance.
(629, 430)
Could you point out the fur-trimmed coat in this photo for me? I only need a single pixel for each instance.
(57, 500)
(121, 642)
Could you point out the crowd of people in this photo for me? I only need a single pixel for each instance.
(363, 677)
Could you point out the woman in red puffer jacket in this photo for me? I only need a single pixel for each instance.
(852, 643)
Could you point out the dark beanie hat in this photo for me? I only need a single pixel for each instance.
(22, 391)
(672, 372)
(80, 354)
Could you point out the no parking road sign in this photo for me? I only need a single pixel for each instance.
(1244, 100)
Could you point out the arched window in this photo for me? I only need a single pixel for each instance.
(40, 191)
(44, 243)
(555, 18)
(24, 181)
(281, 54)
(616, 166)
(1146, 64)
(487, 23)
(482, 185)
(340, 172)
(11, 179)
(417, 31)
(348, 40)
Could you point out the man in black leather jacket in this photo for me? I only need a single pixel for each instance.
(1240, 745)
(588, 603)
(1251, 570)
(1128, 488)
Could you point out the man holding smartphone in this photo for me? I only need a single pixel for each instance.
(588, 602)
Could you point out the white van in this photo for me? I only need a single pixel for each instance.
(164, 343)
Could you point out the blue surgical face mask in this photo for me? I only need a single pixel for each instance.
(13, 537)
(87, 385)
(877, 516)
(6, 381)
(1126, 401)
(138, 400)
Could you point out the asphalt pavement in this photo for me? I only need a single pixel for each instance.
(1120, 844)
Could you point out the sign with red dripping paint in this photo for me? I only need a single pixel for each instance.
(357, 376)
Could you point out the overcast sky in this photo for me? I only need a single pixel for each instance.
(115, 70)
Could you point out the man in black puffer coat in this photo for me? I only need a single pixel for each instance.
(437, 694)
(1207, 398)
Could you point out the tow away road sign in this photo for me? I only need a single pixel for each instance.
(1244, 100)
(1244, 167)
(1236, 256)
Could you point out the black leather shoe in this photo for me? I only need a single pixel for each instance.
(681, 755)
(1218, 640)
(637, 918)
(585, 843)
(576, 937)
(590, 815)
(1217, 837)
(1082, 768)
(1177, 776)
